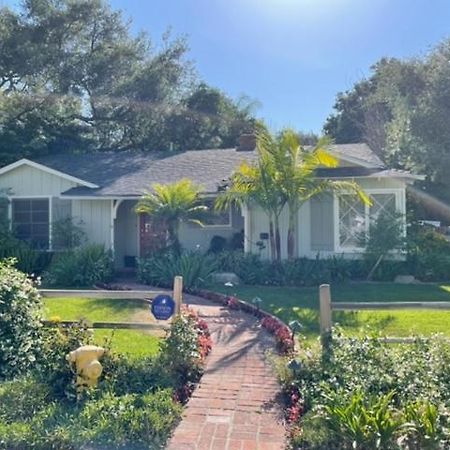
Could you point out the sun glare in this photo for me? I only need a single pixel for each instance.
(297, 9)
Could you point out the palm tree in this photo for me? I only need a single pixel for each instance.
(296, 178)
(256, 184)
(172, 204)
(285, 174)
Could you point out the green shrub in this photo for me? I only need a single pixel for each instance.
(217, 244)
(15, 405)
(125, 375)
(251, 269)
(423, 419)
(372, 395)
(67, 235)
(81, 267)
(160, 269)
(127, 421)
(52, 367)
(20, 321)
(385, 236)
(196, 268)
(429, 255)
(133, 407)
(361, 421)
(115, 422)
(10, 247)
(180, 353)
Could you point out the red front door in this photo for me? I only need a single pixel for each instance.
(152, 235)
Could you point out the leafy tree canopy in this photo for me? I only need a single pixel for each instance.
(74, 78)
(402, 111)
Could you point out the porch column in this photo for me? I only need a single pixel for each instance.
(114, 207)
(113, 216)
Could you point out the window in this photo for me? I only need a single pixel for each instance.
(355, 217)
(30, 221)
(4, 207)
(214, 217)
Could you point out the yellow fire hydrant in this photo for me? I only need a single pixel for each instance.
(88, 367)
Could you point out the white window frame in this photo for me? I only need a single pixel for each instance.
(400, 207)
(50, 213)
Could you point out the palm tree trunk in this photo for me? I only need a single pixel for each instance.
(291, 234)
(272, 241)
(277, 239)
(175, 241)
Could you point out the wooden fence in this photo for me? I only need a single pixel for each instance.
(327, 306)
(145, 296)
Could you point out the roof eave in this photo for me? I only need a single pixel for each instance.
(44, 168)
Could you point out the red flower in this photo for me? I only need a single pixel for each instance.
(233, 303)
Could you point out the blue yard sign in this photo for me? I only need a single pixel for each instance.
(163, 307)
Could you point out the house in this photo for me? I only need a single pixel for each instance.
(100, 191)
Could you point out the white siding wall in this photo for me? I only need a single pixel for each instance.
(95, 217)
(259, 223)
(26, 180)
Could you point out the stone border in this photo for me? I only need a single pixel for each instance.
(282, 333)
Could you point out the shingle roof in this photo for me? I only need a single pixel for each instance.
(132, 173)
(371, 172)
(359, 153)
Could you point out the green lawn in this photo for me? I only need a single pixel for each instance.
(133, 342)
(291, 303)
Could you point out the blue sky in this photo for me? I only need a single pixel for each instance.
(292, 55)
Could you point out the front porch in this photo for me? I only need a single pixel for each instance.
(134, 234)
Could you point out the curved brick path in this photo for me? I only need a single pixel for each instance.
(235, 405)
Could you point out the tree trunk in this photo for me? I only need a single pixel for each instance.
(277, 239)
(291, 235)
(273, 248)
(375, 267)
(175, 245)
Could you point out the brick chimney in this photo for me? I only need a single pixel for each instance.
(247, 143)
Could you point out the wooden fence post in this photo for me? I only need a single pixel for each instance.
(178, 293)
(325, 319)
(325, 308)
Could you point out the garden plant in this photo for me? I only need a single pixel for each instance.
(136, 404)
(370, 395)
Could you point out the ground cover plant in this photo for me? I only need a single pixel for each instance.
(302, 304)
(367, 394)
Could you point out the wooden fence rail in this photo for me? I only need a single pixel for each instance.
(100, 294)
(327, 306)
(145, 296)
(109, 325)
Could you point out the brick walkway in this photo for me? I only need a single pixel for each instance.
(235, 406)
